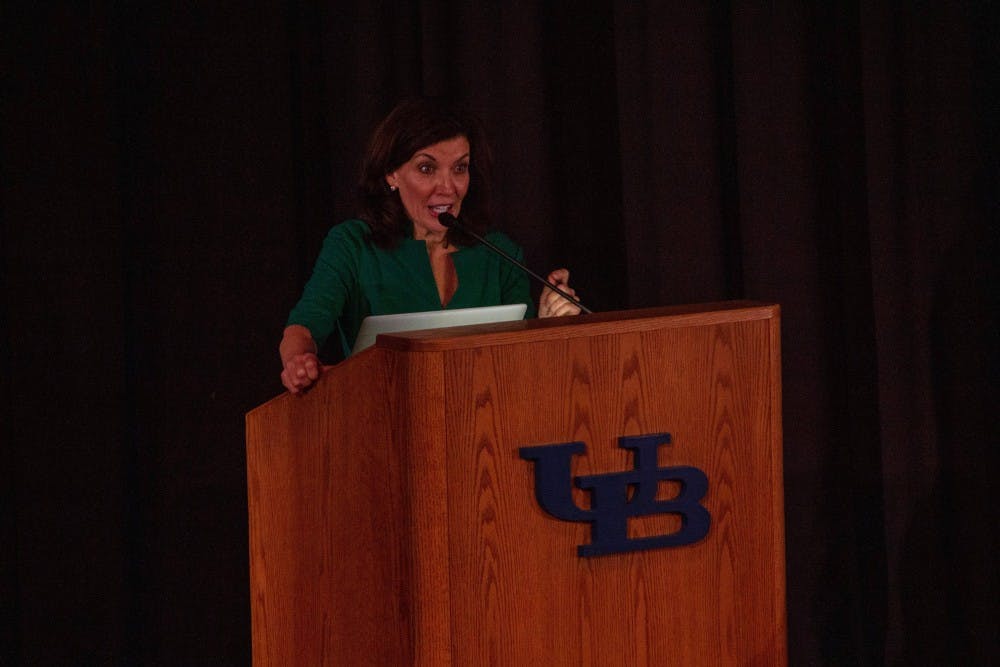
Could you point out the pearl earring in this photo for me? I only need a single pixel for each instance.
(392, 188)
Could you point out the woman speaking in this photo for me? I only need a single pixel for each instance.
(426, 158)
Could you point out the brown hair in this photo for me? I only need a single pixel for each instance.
(416, 123)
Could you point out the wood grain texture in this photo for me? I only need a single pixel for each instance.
(445, 557)
(421, 419)
(328, 533)
(519, 592)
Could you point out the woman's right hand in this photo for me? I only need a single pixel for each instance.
(300, 365)
(300, 372)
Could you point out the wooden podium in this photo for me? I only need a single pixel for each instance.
(394, 521)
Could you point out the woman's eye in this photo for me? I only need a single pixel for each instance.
(426, 168)
(461, 168)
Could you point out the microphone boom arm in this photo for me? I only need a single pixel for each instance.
(449, 220)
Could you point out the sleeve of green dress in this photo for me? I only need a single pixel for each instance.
(334, 278)
(514, 284)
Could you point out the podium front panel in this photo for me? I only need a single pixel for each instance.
(394, 516)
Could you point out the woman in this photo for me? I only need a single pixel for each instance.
(424, 159)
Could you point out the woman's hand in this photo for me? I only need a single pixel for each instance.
(550, 303)
(301, 366)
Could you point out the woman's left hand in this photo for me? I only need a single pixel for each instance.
(550, 303)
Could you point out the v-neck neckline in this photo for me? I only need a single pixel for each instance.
(427, 271)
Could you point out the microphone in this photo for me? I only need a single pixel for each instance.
(449, 221)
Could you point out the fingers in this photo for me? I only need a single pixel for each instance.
(563, 307)
(553, 304)
(300, 372)
(559, 277)
(311, 369)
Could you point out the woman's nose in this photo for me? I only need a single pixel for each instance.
(446, 182)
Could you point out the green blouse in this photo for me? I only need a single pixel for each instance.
(353, 278)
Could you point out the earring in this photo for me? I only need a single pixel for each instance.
(392, 188)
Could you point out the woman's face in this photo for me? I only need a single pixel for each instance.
(432, 182)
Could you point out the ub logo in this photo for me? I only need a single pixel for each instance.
(611, 503)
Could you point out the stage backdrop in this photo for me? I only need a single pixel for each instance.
(169, 171)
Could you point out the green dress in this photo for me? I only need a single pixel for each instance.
(353, 278)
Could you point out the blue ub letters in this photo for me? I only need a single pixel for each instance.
(611, 503)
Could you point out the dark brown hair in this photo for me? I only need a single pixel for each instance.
(416, 123)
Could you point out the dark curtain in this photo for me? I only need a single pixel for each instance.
(168, 173)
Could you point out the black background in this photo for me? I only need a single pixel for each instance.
(168, 173)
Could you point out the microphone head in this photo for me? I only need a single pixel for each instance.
(447, 219)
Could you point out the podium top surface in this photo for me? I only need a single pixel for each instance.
(477, 336)
(561, 328)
